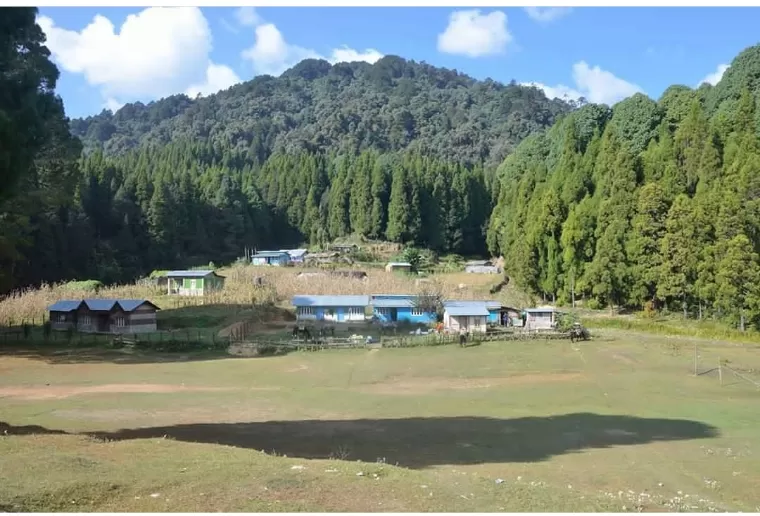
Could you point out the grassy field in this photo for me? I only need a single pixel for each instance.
(619, 423)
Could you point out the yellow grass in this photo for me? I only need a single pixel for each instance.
(280, 285)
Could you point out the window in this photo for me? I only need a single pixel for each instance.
(86, 320)
(120, 322)
(192, 284)
(60, 318)
(417, 312)
(306, 310)
(355, 310)
(384, 311)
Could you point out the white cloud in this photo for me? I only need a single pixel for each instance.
(556, 92)
(594, 84)
(715, 77)
(272, 55)
(547, 14)
(218, 77)
(155, 53)
(349, 55)
(472, 34)
(247, 16)
(113, 104)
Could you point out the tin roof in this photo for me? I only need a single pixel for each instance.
(270, 254)
(544, 309)
(294, 252)
(330, 301)
(99, 305)
(189, 274)
(466, 307)
(399, 264)
(65, 305)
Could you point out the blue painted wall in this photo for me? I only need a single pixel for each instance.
(493, 317)
(271, 260)
(402, 313)
(320, 312)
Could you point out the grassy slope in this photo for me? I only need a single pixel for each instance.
(568, 428)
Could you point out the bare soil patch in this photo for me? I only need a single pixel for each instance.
(66, 391)
(428, 385)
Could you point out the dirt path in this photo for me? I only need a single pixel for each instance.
(427, 385)
(66, 391)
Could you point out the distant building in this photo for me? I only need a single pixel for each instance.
(344, 248)
(482, 269)
(399, 308)
(478, 263)
(193, 283)
(466, 316)
(277, 258)
(331, 308)
(544, 318)
(296, 255)
(104, 315)
(398, 266)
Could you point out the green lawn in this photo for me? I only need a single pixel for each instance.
(617, 423)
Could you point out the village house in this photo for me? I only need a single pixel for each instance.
(193, 283)
(297, 256)
(104, 315)
(400, 308)
(544, 318)
(277, 258)
(344, 248)
(331, 308)
(500, 315)
(398, 266)
(465, 316)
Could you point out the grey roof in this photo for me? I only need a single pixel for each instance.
(478, 262)
(99, 305)
(541, 310)
(65, 305)
(393, 300)
(493, 305)
(330, 301)
(294, 252)
(400, 264)
(189, 274)
(466, 307)
(270, 254)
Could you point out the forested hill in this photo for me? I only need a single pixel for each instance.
(650, 203)
(389, 106)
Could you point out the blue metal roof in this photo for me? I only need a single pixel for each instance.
(330, 301)
(398, 302)
(466, 307)
(188, 274)
(129, 305)
(100, 305)
(270, 254)
(65, 305)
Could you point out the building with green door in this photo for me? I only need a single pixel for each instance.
(193, 283)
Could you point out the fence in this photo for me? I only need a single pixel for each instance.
(730, 363)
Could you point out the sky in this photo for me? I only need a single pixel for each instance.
(111, 56)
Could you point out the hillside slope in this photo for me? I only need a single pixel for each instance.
(391, 105)
(648, 204)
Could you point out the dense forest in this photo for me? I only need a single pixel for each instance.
(648, 204)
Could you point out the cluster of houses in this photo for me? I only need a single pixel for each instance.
(458, 316)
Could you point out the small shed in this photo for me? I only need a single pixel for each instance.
(277, 258)
(399, 308)
(544, 318)
(465, 316)
(104, 315)
(344, 248)
(477, 263)
(296, 255)
(331, 308)
(193, 283)
(398, 266)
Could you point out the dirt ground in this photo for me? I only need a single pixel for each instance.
(66, 391)
(430, 385)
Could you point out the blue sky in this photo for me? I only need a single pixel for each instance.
(111, 56)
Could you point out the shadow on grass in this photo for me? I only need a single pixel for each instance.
(424, 442)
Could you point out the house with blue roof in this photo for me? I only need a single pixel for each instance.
(466, 316)
(193, 283)
(277, 258)
(331, 308)
(104, 315)
(399, 308)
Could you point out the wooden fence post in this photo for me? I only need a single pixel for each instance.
(720, 370)
(695, 359)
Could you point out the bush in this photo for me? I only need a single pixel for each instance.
(86, 285)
